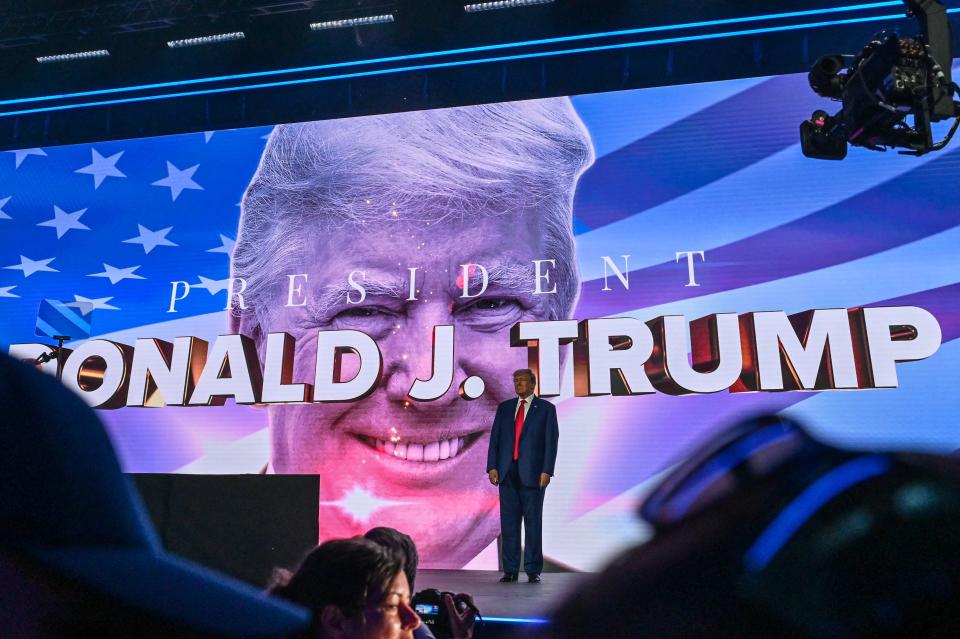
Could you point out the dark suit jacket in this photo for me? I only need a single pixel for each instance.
(538, 441)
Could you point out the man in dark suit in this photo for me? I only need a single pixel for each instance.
(520, 460)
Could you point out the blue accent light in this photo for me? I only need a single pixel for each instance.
(737, 454)
(478, 49)
(798, 511)
(420, 67)
(515, 620)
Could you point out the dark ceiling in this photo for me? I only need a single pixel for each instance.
(289, 72)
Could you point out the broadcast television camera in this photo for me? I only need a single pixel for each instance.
(890, 79)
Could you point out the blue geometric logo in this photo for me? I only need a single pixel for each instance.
(70, 319)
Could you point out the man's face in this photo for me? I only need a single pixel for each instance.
(386, 460)
(522, 384)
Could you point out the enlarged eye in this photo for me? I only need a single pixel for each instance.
(373, 320)
(364, 311)
(491, 313)
(494, 304)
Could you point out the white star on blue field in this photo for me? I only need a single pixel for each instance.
(102, 167)
(113, 223)
(151, 239)
(64, 221)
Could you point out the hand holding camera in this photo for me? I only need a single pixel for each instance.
(448, 615)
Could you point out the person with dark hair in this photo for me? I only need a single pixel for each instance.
(461, 616)
(520, 461)
(400, 544)
(78, 556)
(356, 589)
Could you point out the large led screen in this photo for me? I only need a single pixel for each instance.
(349, 298)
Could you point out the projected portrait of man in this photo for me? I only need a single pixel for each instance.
(377, 196)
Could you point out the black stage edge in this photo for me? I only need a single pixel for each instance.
(510, 610)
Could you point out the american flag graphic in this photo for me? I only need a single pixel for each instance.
(714, 167)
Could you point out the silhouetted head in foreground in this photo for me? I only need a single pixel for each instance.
(78, 555)
(767, 532)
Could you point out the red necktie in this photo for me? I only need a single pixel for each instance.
(517, 429)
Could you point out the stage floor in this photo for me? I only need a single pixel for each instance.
(503, 602)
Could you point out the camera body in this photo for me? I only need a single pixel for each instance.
(429, 606)
(890, 79)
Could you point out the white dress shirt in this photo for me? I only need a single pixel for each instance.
(526, 407)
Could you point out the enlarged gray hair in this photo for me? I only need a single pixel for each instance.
(504, 159)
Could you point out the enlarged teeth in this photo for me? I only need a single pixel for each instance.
(434, 451)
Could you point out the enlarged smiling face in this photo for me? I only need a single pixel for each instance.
(386, 460)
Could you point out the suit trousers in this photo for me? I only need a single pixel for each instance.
(521, 503)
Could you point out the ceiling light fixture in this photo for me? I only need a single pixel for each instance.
(501, 4)
(79, 55)
(351, 22)
(210, 39)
